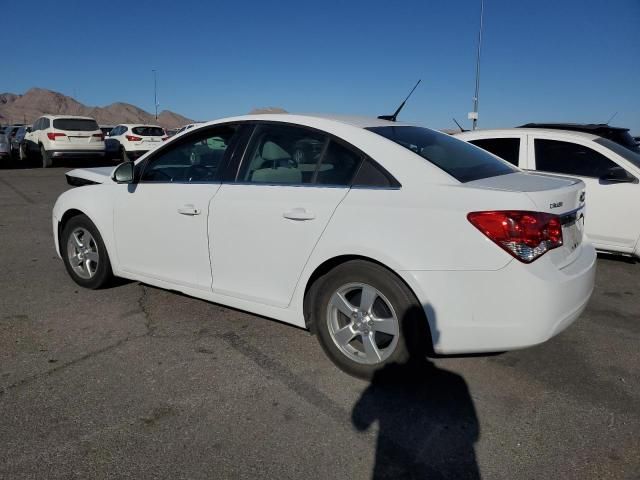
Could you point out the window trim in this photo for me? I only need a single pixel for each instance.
(141, 167)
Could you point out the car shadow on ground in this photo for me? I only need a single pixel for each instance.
(426, 418)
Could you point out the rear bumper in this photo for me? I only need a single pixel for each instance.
(76, 153)
(515, 307)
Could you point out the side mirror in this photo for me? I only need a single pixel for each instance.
(28, 130)
(617, 175)
(124, 173)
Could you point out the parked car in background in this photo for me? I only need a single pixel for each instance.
(18, 140)
(106, 129)
(63, 136)
(130, 141)
(610, 170)
(187, 127)
(5, 149)
(396, 239)
(616, 134)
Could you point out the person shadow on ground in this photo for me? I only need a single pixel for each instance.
(426, 418)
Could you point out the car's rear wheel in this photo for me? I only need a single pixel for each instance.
(366, 318)
(47, 161)
(84, 254)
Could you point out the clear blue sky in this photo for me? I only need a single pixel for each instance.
(543, 60)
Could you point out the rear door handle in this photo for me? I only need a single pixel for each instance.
(189, 210)
(299, 214)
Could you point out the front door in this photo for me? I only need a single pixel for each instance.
(161, 221)
(265, 225)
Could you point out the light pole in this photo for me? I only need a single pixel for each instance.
(474, 115)
(155, 91)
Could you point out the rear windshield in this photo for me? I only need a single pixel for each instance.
(461, 160)
(148, 131)
(77, 124)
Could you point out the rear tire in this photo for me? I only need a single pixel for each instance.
(84, 253)
(385, 324)
(47, 161)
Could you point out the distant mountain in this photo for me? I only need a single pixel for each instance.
(39, 101)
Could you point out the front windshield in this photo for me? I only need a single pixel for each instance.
(624, 152)
(463, 161)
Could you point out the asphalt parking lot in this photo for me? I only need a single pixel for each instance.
(138, 382)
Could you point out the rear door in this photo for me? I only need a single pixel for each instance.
(161, 221)
(613, 209)
(265, 225)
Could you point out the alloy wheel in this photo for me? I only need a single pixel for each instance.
(362, 323)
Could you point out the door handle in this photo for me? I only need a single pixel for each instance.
(189, 210)
(299, 214)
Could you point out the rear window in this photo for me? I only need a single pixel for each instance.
(459, 159)
(148, 131)
(76, 124)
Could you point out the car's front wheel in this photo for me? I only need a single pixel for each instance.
(84, 254)
(366, 318)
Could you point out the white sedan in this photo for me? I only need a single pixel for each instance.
(385, 239)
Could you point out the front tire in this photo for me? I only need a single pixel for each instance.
(366, 318)
(84, 254)
(47, 161)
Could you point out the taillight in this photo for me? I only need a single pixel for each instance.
(99, 135)
(133, 138)
(525, 235)
(53, 135)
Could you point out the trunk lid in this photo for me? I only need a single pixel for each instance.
(562, 196)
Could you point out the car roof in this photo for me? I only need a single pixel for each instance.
(580, 127)
(134, 125)
(352, 120)
(80, 117)
(490, 133)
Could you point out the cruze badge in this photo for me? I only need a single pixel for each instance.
(556, 204)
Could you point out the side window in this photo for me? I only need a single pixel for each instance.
(370, 174)
(45, 123)
(197, 158)
(282, 154)
(339, 163)
(36, 125)
(505, 148)
(570, 158)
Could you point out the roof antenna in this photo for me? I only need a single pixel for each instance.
(392, 118)
(459, 126)
(612, 117)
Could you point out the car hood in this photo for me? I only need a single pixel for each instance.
(88, 176)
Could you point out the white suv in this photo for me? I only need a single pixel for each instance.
(610, 170)
(62, 136)
(130, 141)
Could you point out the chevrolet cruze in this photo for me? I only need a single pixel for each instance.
(383, 238)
